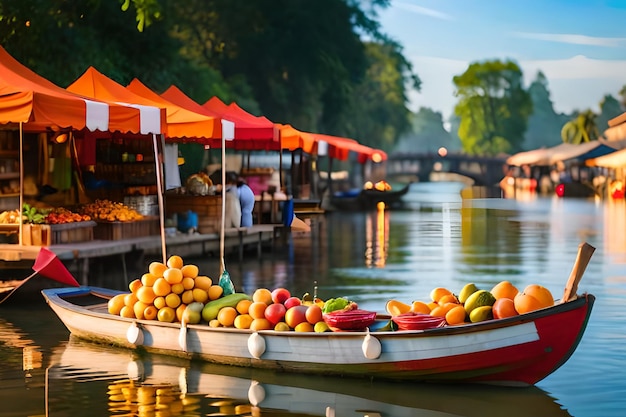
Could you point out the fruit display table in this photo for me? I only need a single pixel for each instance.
(55, 234)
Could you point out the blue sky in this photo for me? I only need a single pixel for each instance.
(579, 45)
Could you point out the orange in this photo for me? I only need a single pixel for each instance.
(190, 271)
(215, 292)
(157, 269)
(138, 309)
(166, 314)
(116, 303)
(146, 295)
(504, 289)
(542, 294)
(188, 283)
(203, 282)
(161, 287)
(130, 299)
(420, 307)
(456, 315)
(257, 310)
(261, 324)
(200, 295)
(214, 323)
(313, 314)
(178, 288)
(150, 313)
(187, 297)
(226, 316)
(243, 306)
(172, 300)
(395, 307)
(243, 321)
(128, 312)
(305, 326)
(179, 312)
(175, 261)
(263, 295)
(159, 302)
(148, 279)
(525, 303)
(448, 298)
(441, 311)
(173, 275)
(432, 305)
(439, 292)
(503, 307)
(135, 285)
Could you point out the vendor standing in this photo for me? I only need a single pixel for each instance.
(246, 197)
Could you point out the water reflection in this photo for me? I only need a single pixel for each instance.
(131, 384)
(376, 237)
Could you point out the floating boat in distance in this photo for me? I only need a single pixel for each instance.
(367, 199)
(518, 351)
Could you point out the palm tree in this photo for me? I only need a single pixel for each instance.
(581, 129)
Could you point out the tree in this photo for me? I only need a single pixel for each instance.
(581, 129)
(493, 107)
(610, 108)
(428, 134)
(544, 124)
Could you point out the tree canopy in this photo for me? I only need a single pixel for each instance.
(493, 107)
(322, 66)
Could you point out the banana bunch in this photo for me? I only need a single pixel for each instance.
(10, 217)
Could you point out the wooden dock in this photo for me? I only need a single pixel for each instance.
(77, 256)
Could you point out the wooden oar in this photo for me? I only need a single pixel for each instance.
(585, 251)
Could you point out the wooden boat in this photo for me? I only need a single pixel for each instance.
(270, 393)
(368, 199)
(519, 350)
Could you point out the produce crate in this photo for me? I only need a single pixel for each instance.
(126, 230)
(56, 234)
(207, 207)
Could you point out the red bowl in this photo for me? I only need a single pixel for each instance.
(350, 320)
(417, 321)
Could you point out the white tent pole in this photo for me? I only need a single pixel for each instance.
(21, 208)
(223, 221)
(159, 178)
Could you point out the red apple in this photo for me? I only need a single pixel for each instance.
(274, 313)
(280, 295)
(292, 302)
(295, 315)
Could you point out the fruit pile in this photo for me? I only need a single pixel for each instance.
(474, 305)
(165, 292)
(10, 217)
(62, 215)
(174, 292)
(110, 211)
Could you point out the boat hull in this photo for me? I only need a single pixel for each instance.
(515, 351)
(368, 199)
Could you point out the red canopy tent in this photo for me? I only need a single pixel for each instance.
(251, 132)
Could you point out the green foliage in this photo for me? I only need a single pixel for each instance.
(610, 108)
(581, 129)
(544, 124)
(428, 134)
(493, 107)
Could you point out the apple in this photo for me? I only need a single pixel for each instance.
(279, 295)
(295, 315)
(292, 302)
(191, 316)
(275, 313)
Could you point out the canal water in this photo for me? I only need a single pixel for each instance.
(437, 239)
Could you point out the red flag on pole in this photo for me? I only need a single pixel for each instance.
(48, 265)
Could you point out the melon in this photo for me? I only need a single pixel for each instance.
(479, 298)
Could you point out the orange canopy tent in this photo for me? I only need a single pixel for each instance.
(340, 148)
(28, 98)
(182, 122)
(251, 132)
(292, 139)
